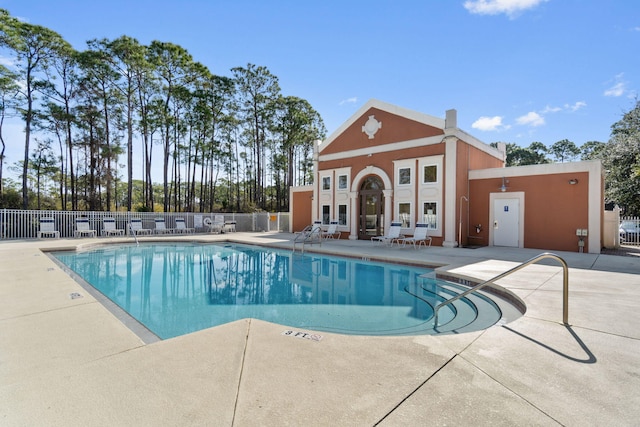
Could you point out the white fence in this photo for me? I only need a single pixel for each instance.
(25, 224)
(629, 230)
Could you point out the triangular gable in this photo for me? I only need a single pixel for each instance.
(386, 124)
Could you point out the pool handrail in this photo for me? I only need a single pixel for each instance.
(565, 284)
(133, 233)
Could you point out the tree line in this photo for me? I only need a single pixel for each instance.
(225, 142)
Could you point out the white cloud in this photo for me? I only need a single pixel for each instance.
(351, 100)
(619, 87)
(531, 119)
(615, 90)
(489, 124)
(549, 109)
(6, 61)
(575, 107)
(511, 8)
(566, 107)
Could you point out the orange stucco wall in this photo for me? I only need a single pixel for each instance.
(554, 209)
(301, 210)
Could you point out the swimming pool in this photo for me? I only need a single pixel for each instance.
(175, 289)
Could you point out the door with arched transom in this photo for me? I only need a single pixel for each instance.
(371, 198)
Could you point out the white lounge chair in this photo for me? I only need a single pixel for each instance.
(332, 232)
(181, 226)
(109, 227)
(420, 237)
(83, 228)
(161, 227)
(136, 227)
(48, 228)
(394, 234)
(215, 226)
(229, 227)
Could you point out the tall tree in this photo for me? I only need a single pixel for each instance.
(297, 126)
(33, 47)
(8, 89)
(564, 150)
(173, 66)
(622, 162)
(592, 150)
(128, 60)
(258, 91)
(59, 117)
(101, 80)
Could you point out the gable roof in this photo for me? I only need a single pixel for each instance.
(393, 109)
(415, 116)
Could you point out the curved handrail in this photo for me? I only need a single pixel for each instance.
(565, 283)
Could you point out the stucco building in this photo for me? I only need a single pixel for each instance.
(388, 163)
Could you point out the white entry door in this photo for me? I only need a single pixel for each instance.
(506, 222)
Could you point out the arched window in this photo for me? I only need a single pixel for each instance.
(372, 183)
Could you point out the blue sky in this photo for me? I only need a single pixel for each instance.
(516, 70)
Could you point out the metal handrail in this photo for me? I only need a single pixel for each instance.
(565, 291)
(133, 232)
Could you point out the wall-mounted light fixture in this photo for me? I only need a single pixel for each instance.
(573, 181)
(503, 188)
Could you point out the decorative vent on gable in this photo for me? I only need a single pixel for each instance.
(371, 126)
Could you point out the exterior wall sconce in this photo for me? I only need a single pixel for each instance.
(503, 188)
(573, 181)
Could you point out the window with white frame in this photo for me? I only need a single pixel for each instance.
(343, 182)
(430, 174)
(326, 214)
(430, 214)
(404, 176)
(326, 183)
(342, 214)
(404, 214)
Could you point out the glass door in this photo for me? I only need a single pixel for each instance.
(371, 208)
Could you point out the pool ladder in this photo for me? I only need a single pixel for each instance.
(565, 283)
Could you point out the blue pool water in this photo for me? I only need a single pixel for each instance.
(175, 289)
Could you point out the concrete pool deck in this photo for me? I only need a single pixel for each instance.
(70, 362)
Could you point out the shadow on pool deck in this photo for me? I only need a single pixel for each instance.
(68, 361)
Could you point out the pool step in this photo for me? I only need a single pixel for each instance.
(471, 313)
(487, 312)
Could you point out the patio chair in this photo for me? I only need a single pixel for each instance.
(215, 226)
(161, 227)
(48, 228)
(229, 227)
(419, 237)
(394, 233)
(332, 232)
(109, 227)
(136, 227)
(181, 226)
(83, 228)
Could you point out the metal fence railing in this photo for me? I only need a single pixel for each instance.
(25, 224)
(629, 230)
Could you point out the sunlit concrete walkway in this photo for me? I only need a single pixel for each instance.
(71, 362)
